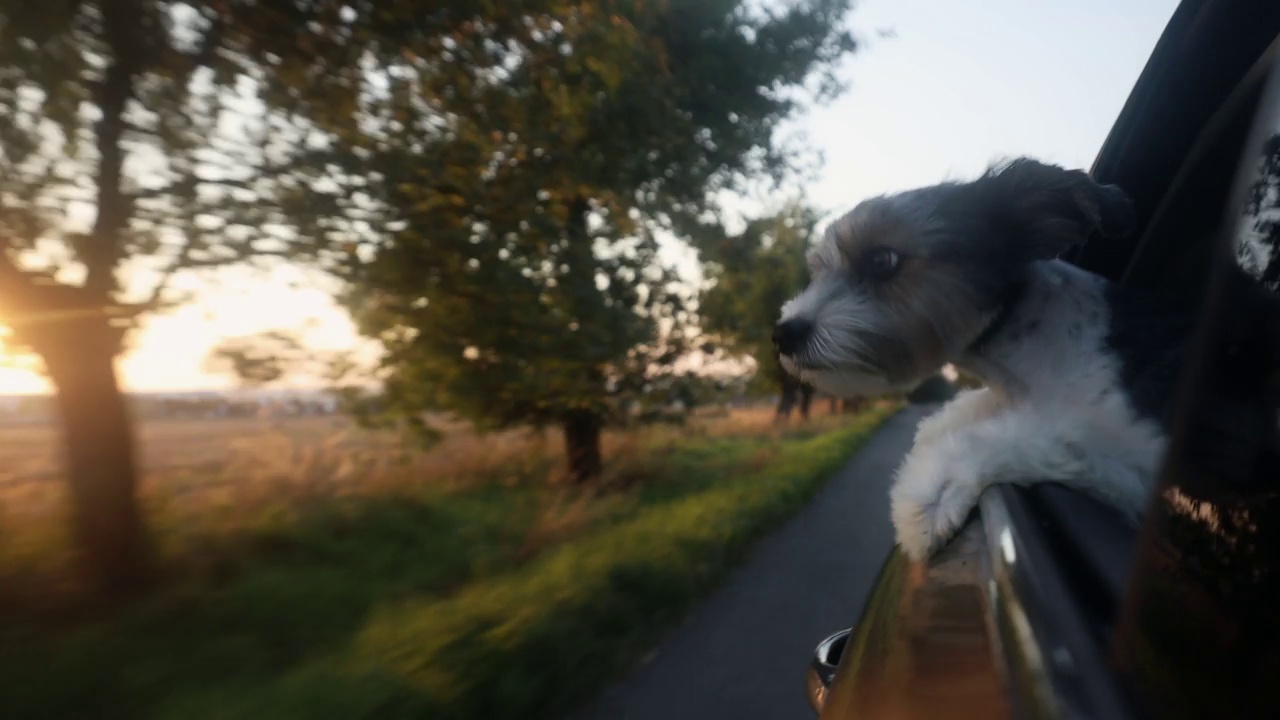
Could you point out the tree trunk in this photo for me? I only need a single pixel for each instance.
(788, 388)
(97, 433)
(806, 399)
(786, 402)
(582, 446)
(67, 327)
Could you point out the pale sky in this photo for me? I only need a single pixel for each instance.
(957, 86)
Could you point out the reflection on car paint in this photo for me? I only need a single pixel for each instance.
(923, 648)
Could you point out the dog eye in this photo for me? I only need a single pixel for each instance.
(880, 263)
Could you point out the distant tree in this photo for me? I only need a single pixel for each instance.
(259, 359)
(850, 406)
(750, 275)
(529, 168)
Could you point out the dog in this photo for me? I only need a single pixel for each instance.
(1078, 371)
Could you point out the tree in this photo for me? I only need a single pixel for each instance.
(258, 360)
(529, 167)
(138, 139)
(750, 275)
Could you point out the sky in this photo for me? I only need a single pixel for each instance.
(938, 90)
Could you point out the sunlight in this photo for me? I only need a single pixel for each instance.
(167, 352)
(15, 381)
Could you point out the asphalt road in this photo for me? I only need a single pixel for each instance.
(742, 654)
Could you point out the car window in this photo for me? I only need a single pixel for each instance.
(1199, 628)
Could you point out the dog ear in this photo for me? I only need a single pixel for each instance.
(1045, 209)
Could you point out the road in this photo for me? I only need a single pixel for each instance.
(742, 654)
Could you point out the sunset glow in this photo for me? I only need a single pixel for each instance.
(168, 352)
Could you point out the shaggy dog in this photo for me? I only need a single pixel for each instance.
(1078, 371)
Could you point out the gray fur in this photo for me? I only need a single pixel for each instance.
(963, 247)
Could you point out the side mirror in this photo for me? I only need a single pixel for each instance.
(822, 668)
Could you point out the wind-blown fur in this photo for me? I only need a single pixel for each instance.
(974, 282)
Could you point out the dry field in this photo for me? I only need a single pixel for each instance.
(224, 474)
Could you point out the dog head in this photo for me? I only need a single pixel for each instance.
(904, 283)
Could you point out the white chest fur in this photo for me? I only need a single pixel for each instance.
(1054, 411)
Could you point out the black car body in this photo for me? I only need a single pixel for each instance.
(1048, 604)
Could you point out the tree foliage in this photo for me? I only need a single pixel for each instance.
(257, 360)
(529, 166)
(139, 140)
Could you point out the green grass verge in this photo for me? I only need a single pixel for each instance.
(421, 606)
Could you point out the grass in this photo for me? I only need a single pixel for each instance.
(487, 593)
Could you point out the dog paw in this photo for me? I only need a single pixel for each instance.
(931, 499)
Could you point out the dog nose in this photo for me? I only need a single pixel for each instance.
(789, 336)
